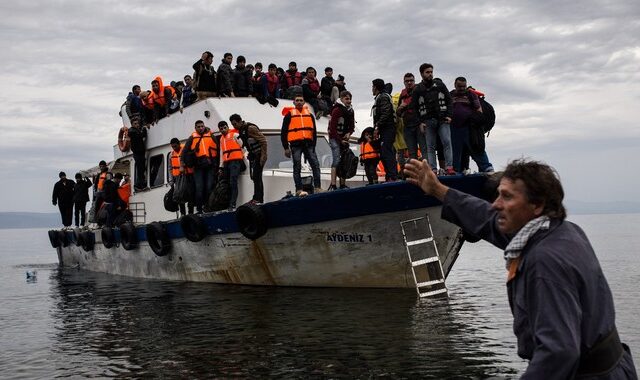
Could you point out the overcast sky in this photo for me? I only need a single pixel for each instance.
(564, 77)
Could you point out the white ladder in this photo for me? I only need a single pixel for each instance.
(423, 257)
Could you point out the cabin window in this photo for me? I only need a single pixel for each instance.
(277, 160)
(156, 170)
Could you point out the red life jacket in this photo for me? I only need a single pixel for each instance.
(272, 83)
(293, 80)
(314, 85)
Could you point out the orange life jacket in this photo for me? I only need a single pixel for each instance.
(101, 179)
(159, 98)
(301, 125)
(205, 145)
(230, 148)
(367, 151)
(124, 192)
(175, 163)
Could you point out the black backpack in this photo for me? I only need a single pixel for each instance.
(348, 164)
(220, 196)
(489, 114)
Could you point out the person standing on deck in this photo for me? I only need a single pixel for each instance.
(80, 199)
(256, 144)
(341, 126)
(384, 126)
(204, 77)
(63, 197)
(298, 135)
(232, 159)
(564, 317)
(200, 152)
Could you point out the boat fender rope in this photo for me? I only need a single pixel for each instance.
(77, 236)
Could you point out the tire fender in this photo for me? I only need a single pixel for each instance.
(77, 236)
(63, 238)
(251, 221)
(53, 238)
(88, 240)
(108, 237)
(158, 238)
(193, 227)
(128, 236)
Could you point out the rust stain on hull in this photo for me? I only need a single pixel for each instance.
(259, 252)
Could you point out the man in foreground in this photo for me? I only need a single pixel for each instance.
(564, 318)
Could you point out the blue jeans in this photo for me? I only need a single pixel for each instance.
(435, 129)
(415, 140)
(336, 148)
(204, 178)
(309, 151)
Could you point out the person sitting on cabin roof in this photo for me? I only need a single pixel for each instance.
(177, 170)
(311, 92)
(188, 93)
(258, 90)
(232, 159)
(291, 80)
(271, 83)
(134, 105)
(200, 152)
(161, 97)
(242, 78)
(298, 135)
(225, 77)
(175, 101)
(326, 86)
(204, 77)
(337, 88)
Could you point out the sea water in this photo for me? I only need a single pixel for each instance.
(70, 323)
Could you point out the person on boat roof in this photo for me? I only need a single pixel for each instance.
(62, 196)
(188, 93)
(311, 92)
(204, 76)
(134, 107)
(291, 80)
(225, 77)
(242, 78)
(298, 136)
(256, 144)
(138, 138)
(201, 154)
(562, 306)
(176, 154)
(232, 159)
(161, 97)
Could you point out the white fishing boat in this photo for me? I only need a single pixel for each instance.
(387, 235)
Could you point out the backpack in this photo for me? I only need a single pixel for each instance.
(348, 164)
(489, 115)
(220, 196)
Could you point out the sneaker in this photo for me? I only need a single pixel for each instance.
(440, 171)
(301, 193)
(489, 170)
(231, 208)
(466, 172)
(332, 187)
(254, 202)
(318, 190)
(343, 187)
(450, 171)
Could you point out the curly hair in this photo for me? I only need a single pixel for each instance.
(542, 183)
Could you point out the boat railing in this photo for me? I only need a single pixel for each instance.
(139, 212)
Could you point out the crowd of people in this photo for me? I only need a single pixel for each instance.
(423, 121)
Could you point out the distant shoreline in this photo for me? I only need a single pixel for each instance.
(23, 220)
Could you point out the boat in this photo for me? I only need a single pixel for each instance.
(355, 237)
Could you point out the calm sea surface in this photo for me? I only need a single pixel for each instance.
(71, 324)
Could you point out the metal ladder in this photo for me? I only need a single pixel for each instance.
(424, 258)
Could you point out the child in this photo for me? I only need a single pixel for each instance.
(369, 154)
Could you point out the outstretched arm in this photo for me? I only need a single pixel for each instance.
(420, 174)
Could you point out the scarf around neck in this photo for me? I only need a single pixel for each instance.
(517, 244)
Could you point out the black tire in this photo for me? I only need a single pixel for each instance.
(128, 236)
(108, 237)
(88, 240)
(77, 237)
(63, 238)
(251, 220)
(53, 238)
(193, 227)
(158, 238)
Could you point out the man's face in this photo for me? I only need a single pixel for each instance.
(208, 60)
(155, 86)
(461, 86)
(224, 129)
(298, 102)
(409, 82)
(258, 69)
(137, 91)
(328, 73)
(427, 74)
(241, 64)
(187, 80)
(229, 59)
(346, 100)
(200, 128)
(103, 168)
(513, 206)
(293, 67)
(272, 71)
(236, 124)
(311, 74)
(175, 147)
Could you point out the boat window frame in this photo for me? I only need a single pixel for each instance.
(150, 183)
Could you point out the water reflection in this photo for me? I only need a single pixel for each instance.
(114, 326)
